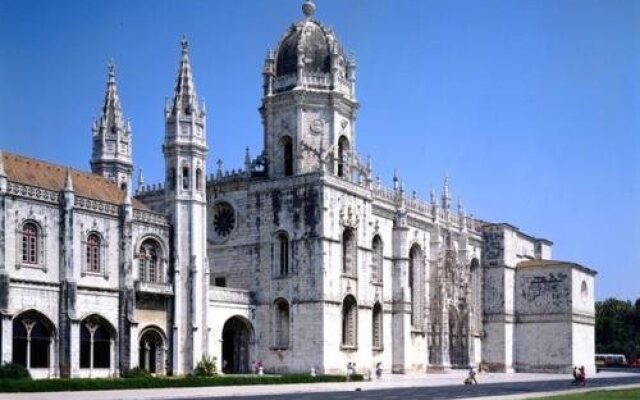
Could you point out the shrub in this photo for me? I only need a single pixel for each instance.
(136, 372)
(14, 371)
(206, 367)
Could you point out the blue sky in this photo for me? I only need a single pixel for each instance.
(532, 107)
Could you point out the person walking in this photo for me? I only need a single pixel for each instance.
(471, 378)
(583, 376)
(575, 375)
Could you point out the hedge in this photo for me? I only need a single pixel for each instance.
(81, 384)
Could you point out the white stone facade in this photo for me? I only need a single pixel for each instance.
(302, 260)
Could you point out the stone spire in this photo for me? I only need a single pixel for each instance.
(111, 156)
(185, 99)
(68, 182)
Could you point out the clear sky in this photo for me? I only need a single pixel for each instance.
(531, 106)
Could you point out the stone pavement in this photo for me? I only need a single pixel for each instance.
(531, 385)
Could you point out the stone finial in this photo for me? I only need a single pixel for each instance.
(140, 180)
(68, 183)
(247, 160)
(433, 196)
(446, 195)
(308, 8)
(111, 70)
(184, 43)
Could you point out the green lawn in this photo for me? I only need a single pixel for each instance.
(600, 395)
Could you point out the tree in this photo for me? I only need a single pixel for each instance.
(618, 327)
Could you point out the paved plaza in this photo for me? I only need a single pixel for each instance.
(411, 386)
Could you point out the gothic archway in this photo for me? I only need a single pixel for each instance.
(152, 351)
(237, 336)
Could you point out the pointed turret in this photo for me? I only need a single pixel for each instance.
(68, 182)
(111, 156)
(446, 195)
(185, 99)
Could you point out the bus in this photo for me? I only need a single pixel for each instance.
(611, 360)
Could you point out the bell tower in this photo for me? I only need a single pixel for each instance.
(111, 155)
(309, 105)
(185, 153)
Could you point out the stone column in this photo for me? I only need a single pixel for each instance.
(74, 339)
(6, 354)
(401, 309)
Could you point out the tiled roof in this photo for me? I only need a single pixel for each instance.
(42, 174)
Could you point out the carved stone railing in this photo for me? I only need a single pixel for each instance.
(284, 82)
(33, 192)
(149, 217)
(96, 206)
(159, 288)
(229, 295)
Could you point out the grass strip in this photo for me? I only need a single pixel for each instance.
(82, 384)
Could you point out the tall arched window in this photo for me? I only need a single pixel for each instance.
(349, 252)
(416, 285)
(95, 343)
(376, 260)
(282, 254)
(30, 235)
(93, 253)
(149, 262)
(343, 156)
(376, 333)
(349, 322)
(287, 150)
(171, 178)
(185, 178)
(281, 324)
(32, 339)
(198, 179)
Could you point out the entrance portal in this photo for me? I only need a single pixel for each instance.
(236, 337)
(151, 352)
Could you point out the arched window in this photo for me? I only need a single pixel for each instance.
(198, 179)
(287, 150)
(416, 285)
(95, 344)
(376, 260)
(149, 262)
(30, 235)
(282, 254)
(185, 178)
(348, 252)
(343, 156)
(123, 186)
(349, 322)
(32, 339)
(281, 324)
(376, 333)
(93, 253)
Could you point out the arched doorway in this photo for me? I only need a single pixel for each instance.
(458, 340)
(237, 335)
(152, 351)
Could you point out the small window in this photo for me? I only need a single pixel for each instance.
(343, 155)
(282, 254)
(185, 178)
(376, 260)
(30, 243)
(93, 253)
(377, 326)
(287, 148)
(220, 281)
(198, 179)
(281, 324)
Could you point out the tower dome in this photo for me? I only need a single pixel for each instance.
(309, 54)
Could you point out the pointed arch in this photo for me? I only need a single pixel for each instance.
(377, 259)
(349, 322)
(97, 342)
(281, 254)
(416, 285)
(33, 340)
(344, 149)
(349, 249)
(151, 261)
(376, 328)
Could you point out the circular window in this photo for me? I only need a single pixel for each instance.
(224, 219)
(584, 291)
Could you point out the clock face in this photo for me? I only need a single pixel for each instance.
(317, 125)
(224, 219)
